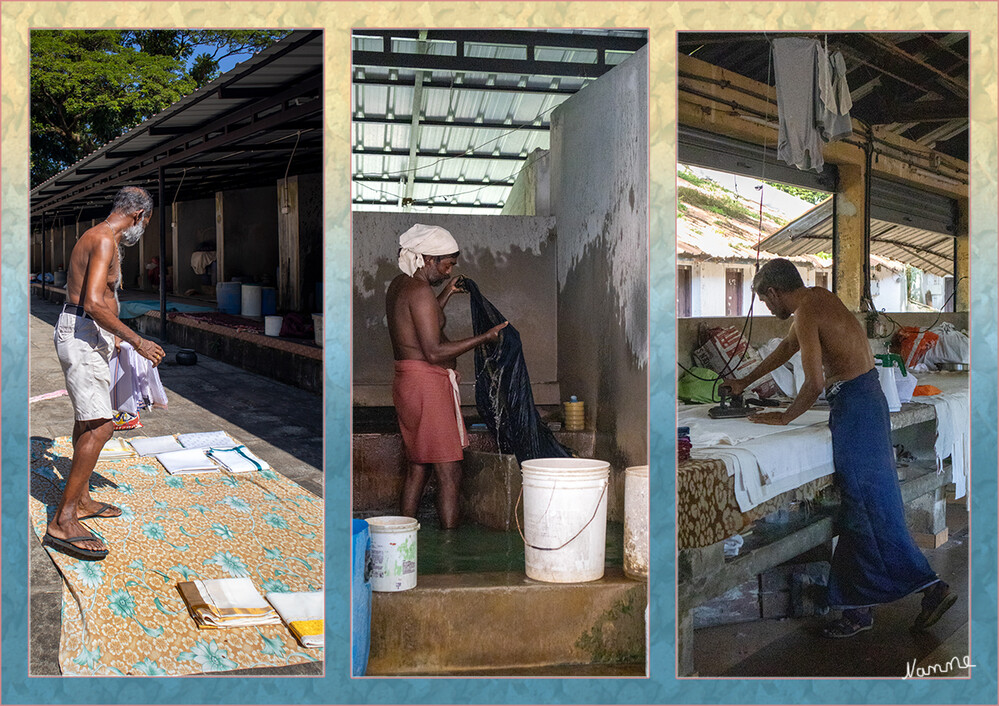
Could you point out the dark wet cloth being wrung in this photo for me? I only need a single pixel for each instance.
(503, 388)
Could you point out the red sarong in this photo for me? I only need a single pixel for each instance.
(429, 410)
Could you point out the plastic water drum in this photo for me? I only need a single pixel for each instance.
(272, 325)
(393, 553)
(636, 522)
(360, 598)
(565, 518)
(228, 296)
(268, 301)
(250, 300)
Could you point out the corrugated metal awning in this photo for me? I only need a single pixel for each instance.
(245, 128)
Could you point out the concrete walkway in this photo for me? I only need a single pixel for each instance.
(280, 423)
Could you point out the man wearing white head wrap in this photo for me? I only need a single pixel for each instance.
(425, 387)
(423, 240)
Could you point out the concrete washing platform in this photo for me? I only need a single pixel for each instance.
(508, 624)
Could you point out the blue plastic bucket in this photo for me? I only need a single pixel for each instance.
(268, 301)
(360, 598)
(229, 297)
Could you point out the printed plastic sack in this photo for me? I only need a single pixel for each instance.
(724, 348)
(913, 343)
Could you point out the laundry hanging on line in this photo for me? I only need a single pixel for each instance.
(503, 388)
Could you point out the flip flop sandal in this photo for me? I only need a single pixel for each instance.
(100, 512)
(931, 614)
(844, 627)
(67, 547)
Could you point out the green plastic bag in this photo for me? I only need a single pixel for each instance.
(690, 388)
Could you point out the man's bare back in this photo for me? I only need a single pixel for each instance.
(842, 339)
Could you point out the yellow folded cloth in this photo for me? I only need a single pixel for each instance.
(302, 612)
(226, 603)
(116, 449)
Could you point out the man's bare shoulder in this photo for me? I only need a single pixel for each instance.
(820, 302)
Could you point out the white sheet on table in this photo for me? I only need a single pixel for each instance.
(765, 460)
(150, 446)
(705, 431)
(187, 461)
(238, 460)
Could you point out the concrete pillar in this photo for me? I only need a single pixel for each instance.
(289, 287)
(849, 251)
(961, 297)
(220, 236)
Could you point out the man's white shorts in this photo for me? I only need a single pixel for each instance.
(84, 350)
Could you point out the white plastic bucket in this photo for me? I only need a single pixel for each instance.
(636, 522)
(887, 378)
(565, 519)
(272, 325)
(393, 553)
(250, 300)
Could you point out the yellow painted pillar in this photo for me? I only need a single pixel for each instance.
(961, 273)
(849, 251)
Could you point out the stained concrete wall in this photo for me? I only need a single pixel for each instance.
(250, 248)
(194, 223)
(511, 258)
(599, 178)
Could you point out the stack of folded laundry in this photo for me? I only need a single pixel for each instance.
(302, 612)
(226, 603)
(238, 459)
(116, 449)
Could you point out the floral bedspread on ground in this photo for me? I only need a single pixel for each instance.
(124, 615)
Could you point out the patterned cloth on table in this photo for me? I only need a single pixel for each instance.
(124, 616)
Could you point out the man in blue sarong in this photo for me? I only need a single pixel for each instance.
(875, 560)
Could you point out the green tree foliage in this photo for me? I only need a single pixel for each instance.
(90, 86)
(803, 194)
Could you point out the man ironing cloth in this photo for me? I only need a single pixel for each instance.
(84, 337)
(875, 560)
(425, 386)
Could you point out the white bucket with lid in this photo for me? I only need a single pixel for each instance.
(565, 518)
(393, 553)
(272, 325)
(636, 522)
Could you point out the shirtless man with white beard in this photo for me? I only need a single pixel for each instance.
(84, 337)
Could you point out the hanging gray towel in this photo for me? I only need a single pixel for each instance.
(804, 74)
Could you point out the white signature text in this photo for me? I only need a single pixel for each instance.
(912, 671)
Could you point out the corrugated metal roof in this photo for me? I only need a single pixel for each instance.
(179, 134)
(812, 233)
(475, 128)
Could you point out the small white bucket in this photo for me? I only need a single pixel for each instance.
(393, 553)
(636, 522)
(272, 325)
(565, 519)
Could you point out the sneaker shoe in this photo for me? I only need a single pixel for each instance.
(853, 621)
(937, 600)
